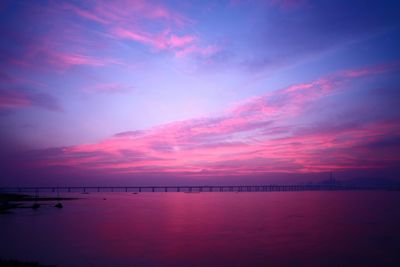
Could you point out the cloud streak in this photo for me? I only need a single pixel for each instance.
(15, 99)
(153, 25)
(17, 93)
(109, 88)
(264, 134)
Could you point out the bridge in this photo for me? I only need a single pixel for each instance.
(194, 188)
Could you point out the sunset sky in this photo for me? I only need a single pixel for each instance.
(143, 92)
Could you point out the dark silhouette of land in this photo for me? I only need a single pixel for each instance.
(9, 201)
(15, 263)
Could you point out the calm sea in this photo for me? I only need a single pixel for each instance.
(209, 229)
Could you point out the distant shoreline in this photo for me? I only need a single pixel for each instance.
(323, 186)
(16, 263)
(10, 201)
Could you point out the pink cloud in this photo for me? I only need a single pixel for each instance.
(124, 12)
(109, 88)
(259, 136)
(151, 24)
(72, 59)
(45, 53)
(197, 50)
(183, 45)
(143, 38)
(13, 99)
(87, 14)
(381, 68)
(129, 20)
(181, 41)
(17, 92)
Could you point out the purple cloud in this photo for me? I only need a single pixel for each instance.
(12, 99)
(262, 135)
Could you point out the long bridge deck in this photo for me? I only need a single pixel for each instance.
(193, 188)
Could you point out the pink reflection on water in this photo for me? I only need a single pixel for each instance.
(210, 229)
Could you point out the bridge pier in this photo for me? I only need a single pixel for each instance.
(215, 188)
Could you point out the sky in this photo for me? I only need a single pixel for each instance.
(161, 92)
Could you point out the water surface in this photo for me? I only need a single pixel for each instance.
(209, 229)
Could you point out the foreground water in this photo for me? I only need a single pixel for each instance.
(209, 229)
